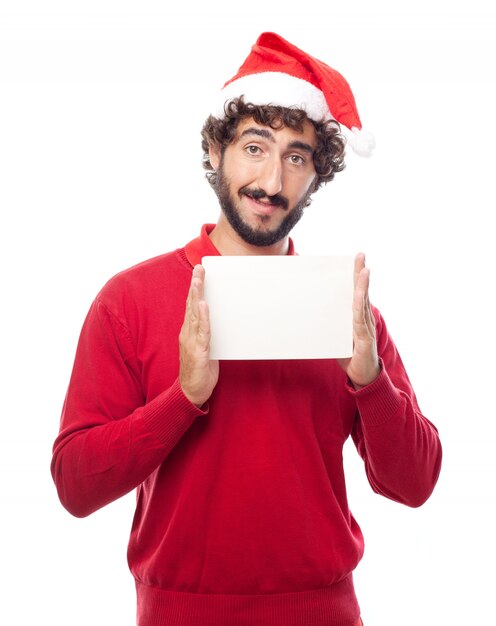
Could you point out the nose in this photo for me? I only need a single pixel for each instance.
(270, 177)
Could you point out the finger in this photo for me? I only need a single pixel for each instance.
(203, 336)
(369, 317)
(189, 315)
(195, 294)
(358, 267)
(362, 285)
(195, 299)
(359, 303)
(199, 272)
(198, 287)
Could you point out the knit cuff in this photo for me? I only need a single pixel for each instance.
(378, 402)
(170, 414)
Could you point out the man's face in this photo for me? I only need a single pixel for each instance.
(264, 180)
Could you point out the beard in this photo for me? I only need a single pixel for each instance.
(258, 236)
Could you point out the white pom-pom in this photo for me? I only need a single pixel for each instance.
(361, 141)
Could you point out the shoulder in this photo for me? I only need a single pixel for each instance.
(144, 281)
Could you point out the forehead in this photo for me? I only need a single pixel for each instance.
(282, 135)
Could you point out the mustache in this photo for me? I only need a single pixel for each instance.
(257, 194)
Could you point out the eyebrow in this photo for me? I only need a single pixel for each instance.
(262, 132)
(301, 145)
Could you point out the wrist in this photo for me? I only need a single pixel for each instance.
(193, 398)
(359, 382)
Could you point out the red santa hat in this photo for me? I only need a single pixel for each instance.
(277, 72)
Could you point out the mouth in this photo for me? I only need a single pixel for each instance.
(262, 204)
(262, 207)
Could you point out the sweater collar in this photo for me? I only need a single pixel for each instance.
(203, 246)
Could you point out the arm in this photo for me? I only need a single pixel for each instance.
(110, 438)
(400, 447)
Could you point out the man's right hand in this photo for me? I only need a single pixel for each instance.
(198, 375)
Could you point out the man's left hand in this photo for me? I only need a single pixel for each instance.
(363, 366)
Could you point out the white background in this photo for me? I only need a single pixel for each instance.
(101, 104)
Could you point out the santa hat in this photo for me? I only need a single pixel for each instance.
(277, 72)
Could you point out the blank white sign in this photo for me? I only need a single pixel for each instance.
(279, 307)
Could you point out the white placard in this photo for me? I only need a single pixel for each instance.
(279, 307)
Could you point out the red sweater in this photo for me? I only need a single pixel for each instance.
(242, 517)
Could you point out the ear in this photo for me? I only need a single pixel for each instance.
(214, 155)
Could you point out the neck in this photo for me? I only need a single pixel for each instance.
(229, 243)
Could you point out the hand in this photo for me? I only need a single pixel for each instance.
(198, 375)
(363, 367)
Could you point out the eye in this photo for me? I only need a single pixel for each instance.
(296, 159)
(252, 149)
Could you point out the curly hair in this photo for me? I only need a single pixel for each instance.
(328, 157)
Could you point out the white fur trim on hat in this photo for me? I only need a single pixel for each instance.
(279, 89)
(361, 141)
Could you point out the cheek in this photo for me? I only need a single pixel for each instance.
(241, 174)
(302, 185)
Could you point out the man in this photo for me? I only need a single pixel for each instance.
(242, 516)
